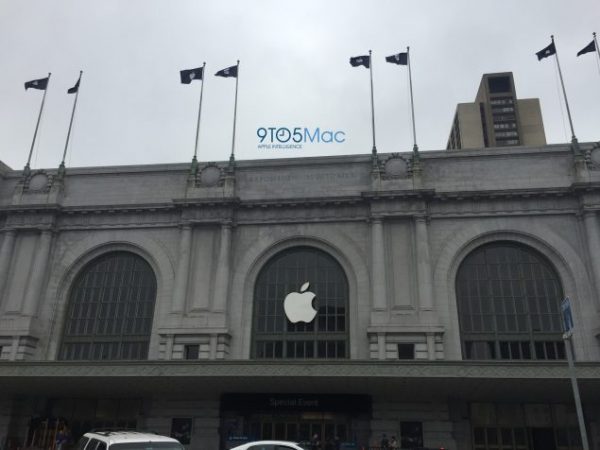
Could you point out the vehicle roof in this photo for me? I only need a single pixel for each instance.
(248, 444)
(113, 437)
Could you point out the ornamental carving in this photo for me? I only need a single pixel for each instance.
(209, 175)
(592, 157)
(38, 181)
(396, 167)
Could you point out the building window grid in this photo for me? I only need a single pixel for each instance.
(503, 117)
(110, 310)
(504, 125)
(507, 142)
(325, 336)
(501, 101)
(501, 134)
(191, 351)
(492, 438)
(509, 311)
(502, 109)
(406, 351)
(516, 438)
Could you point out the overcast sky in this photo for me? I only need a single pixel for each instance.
(294, 72)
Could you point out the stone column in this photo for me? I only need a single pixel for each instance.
(593, 239)
(183, 269)
(222, 276)
(430, 346)
(213, 346)
(38, 274)
(378, 268)
(424, 278)
(381, 346)
(8, 244)
(14, 349)
(170, 339)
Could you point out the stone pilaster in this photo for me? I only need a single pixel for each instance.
(222, 276)
(183, 269)
(379, 291)
(424, 278)
(6, 251)
(593, 239)
(38, 274)
(430, 346)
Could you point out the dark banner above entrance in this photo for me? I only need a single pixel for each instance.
(348, 403)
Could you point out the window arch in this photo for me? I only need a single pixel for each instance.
(110, 310)
(325, 335)
(508, 297)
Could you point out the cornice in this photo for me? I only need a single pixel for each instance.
(503, 193)
(418, 194)
(212, 201)
(33, 208)
(311, 369)
(302, 202)
(585, 187)
(363, 199)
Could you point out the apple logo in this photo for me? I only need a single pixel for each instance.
(298, 305)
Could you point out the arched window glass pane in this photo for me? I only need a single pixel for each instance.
(110, 310)
(509, 304)
(320, 335)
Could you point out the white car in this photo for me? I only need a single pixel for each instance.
(126, 440)
(268, 445)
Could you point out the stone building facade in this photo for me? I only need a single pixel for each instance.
(145, 296)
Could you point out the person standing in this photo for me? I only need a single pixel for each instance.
(315, 443)
(62, 434)
(393, 443)
(385, 444)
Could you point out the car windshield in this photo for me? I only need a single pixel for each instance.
(147, 446)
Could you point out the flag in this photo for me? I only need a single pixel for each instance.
(41, 84)
(361, 61)
(187, 76)
(75, 88)
(227, 73)
(400, 59)
(588, 48)
(548, 51)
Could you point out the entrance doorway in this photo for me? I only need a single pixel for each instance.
(542, 439)
(331, 429)
(339, 420)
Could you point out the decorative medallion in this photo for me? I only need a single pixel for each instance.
(396, 167)
(209, 175)
(38, 181)
(595, 157)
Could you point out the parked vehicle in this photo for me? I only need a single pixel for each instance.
(268, 445)
(126, 440)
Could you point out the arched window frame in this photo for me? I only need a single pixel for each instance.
(527, 289)
(315, 340)
(98, 324)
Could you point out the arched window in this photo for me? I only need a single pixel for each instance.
(110, 310)
(320, 335)
(509, 298)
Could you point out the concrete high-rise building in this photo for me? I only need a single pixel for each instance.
(497, 118)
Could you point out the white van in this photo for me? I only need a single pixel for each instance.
(126, 440)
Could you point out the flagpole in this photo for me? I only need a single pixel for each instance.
(195, 159)
(27, 167)
(374, 151)
(596, 45)
(62, 163)
(412, 106)
(573, 138)
(232, 156)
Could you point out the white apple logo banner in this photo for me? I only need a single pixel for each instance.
(298, 306)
